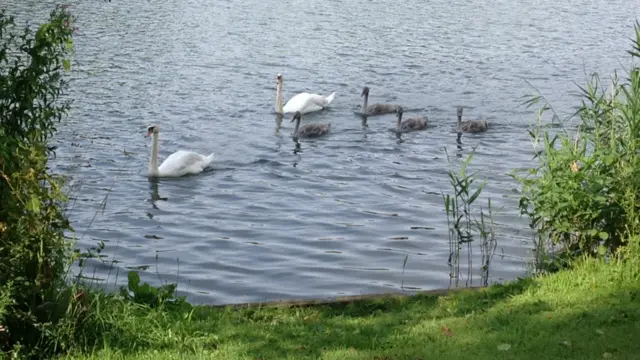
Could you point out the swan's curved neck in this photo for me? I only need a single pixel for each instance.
(366, 103)
(398, 127)
(459, 122)
(279, 97)
(153, 164)
(295, 131)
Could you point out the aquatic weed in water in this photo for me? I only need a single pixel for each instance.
(463, 225)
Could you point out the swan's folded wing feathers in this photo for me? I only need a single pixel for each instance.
(381, 108)
(318, 100)
(313, 130)
(301, 102)
(473, 126)
(180, 162)
(412, 124)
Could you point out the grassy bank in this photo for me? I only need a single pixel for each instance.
(589, 312)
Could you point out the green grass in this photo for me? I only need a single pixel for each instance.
(590, 312)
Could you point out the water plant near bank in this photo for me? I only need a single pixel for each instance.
(464, 225)
(583, 195)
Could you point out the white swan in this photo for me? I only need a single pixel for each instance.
(177, 164)
(303, 102)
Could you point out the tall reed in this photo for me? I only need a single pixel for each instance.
(464, 226)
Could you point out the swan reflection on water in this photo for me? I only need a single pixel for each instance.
(459, 146)
(399, 137)
(279, 118)
(155, 195)
(363, 121)
(297, 148)
(364, 126)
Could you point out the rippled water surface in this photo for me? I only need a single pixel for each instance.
(337, 215)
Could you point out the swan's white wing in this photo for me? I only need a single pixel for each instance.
(183, 162)
(318, 100)
(300, 102)
(306, 103)
(330, 98)
(207, 160)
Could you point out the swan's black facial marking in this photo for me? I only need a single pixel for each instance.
(151, 130)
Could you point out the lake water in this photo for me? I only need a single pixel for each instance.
(332, 216)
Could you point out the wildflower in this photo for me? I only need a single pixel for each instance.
(574, 167)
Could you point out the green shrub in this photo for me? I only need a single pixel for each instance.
(151, 296)
(583, 195)
(34, 254)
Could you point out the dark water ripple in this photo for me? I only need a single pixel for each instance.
(338, 215)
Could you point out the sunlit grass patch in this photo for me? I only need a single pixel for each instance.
(584, 313)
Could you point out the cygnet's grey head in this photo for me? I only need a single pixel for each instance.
(399, 111)
(365, 91)
(460, 110)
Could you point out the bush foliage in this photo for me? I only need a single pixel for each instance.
(584, 193)
(34, 253)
